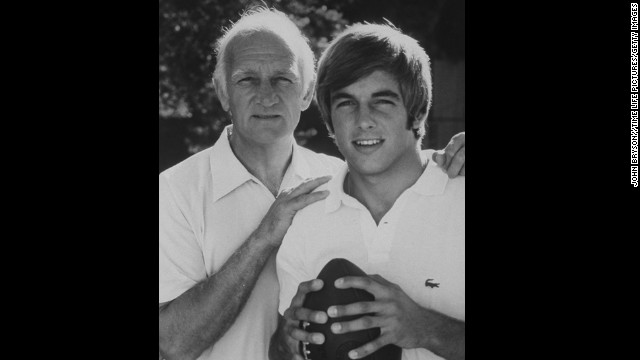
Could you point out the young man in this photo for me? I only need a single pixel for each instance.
(224, 211)
(389, 211)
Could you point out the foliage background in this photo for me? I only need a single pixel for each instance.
(190, 117)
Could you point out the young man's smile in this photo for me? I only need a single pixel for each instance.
(368, 146)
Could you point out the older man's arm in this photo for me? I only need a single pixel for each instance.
(200, 316)
(451, 159)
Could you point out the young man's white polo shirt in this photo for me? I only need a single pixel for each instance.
(420, 240)
(209, 205)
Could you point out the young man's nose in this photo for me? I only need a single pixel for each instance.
(364, 119)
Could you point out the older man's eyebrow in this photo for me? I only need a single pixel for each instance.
(286, 73)
(239, 73)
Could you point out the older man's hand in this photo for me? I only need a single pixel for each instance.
(276, 222)
(451, 159)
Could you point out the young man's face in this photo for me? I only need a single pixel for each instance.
(370, 125)
(265, 88)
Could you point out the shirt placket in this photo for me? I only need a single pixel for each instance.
(379, 239)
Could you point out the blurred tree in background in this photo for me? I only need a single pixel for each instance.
(190, 117)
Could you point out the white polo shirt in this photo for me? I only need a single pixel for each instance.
(421, 237)
(209, 205)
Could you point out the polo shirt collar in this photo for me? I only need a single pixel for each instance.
(433, 181)
(228, 173)
(299, 164)
(337, 196)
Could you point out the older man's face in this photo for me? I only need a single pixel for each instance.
(265, 88)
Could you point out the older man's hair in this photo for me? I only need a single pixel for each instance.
(364, 48)
(258, 19)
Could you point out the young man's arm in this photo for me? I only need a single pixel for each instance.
(197, 318)
(401, 320)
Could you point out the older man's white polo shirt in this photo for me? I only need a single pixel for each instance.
(420, 238)
(209, 205)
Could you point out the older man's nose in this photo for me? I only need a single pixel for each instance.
(266, 95)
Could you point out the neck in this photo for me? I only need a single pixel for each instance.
(378, 192)
(267, 162)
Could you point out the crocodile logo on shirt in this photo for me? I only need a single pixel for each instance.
(431, 284)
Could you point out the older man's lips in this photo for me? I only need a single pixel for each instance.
(265, 117)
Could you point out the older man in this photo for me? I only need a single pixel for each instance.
(224, 211)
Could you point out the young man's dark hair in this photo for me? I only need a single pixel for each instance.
(364, 48)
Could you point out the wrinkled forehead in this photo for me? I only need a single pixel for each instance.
(261, 46)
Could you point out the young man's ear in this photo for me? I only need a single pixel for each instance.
(416, 124)
(419, 119)
(221, 93)
(308, 96)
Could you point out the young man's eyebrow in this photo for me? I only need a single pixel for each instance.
(386, 93)
(340, 95)
(382, 93)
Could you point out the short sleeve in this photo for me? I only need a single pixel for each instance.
(181, 259)
(290, 265)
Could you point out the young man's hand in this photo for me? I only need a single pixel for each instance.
(451, 159)
(286, 340)
(401, 320)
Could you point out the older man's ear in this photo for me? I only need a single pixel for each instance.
(308, 96)
(451, 159)
(222, 97)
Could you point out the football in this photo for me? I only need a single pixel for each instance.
(337, 346)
